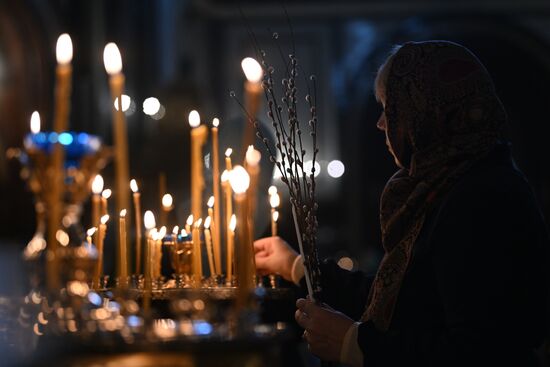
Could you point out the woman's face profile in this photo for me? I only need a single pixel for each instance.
(382, 125)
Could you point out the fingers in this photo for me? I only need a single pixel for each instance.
(261, 244)
(306, 306)
(302, 319)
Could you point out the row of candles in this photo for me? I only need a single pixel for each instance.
(234, 180)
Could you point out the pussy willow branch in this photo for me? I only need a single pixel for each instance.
(282, 112)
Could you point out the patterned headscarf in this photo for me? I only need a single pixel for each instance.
(442, 116)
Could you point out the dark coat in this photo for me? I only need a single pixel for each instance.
(475, 292)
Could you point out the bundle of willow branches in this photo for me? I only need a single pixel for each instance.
(288, 152)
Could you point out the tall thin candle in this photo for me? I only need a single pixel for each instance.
(197, 254)
(100, 240)
(230, 248)
(113, 66)
(253, 93)
(240, 182)
(216, 228)
(97, 188)
(105, 195)
(208, 242)
(64, 55)
(199, 133)
(137, 208)
(122, 250)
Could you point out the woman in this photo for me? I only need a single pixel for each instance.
(462, 281)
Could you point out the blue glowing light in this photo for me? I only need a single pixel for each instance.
(134, 321)
(94, 298)
(83, 138)
(52, 138)
(65, 138)
(202, 327)
(76, 145)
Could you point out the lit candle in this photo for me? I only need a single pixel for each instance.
(162, 187)
(122, 250)
(197, 254)
(149, 223)
(274, 218)
(252, 159)
(216, 227)
(274, 201)
(253, 92)
(199, 133)
(105, 195)
(113, 66)
(158, 252)
(228, 195)
(230, 248)
(228, 164)
(64, 56)
(189, 223)
(215, 230)
(167, 202)
(240, 182)
(100, 240)
(137, 208)
(97, 188)
(89, 233)
(208, 241)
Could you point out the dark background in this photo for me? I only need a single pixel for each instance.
(187, 54)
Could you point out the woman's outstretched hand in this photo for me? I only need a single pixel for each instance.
(325, 328)
(274, 256)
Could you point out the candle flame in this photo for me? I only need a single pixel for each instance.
(123, 213)
(62, 237)
(225, 176)
(149, 220)
(64, 49)
(207, 222)
(275, 216)
(97, 184)
(183, 232)
(104, 219)
(190, 220)
(112, 59)
(252, 70)
(198, 223)
(272, 190)
(134, 185)
(106, 193)
(167, 201)
(162, 232)
(90, 232)
(253, 156)
(210, 202)
(239, 180)
(228, 152)
(194, 119)
(35, 122)
(274, 200)
(216, 122)
(233, 223)
(175, 230)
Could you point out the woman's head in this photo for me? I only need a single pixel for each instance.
(437, 96)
